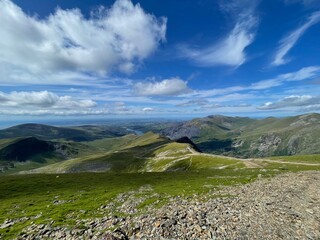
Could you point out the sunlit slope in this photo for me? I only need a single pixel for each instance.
(147, 153)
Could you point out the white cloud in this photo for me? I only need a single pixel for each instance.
(43, 99)
(53, 112)
(231, 49)
(293, 101)
(305, 73)
(302, 74)
(147, 109)
(194, 102)
(288, 42)
(66, 42)
(167, 87)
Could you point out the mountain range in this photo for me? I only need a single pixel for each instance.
(248, 137)
(169, 146)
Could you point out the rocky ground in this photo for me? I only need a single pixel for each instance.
(284, 207)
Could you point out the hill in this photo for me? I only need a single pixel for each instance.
(147, 153)
(29, 152)
(246, 137)
(181, 149)
(78, 134)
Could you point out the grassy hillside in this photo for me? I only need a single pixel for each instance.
(151, 153)
(66, 199)
(245, 137)
(147, 153)
(132, 155)
(312, 159)
(277, 137)
(25, 153)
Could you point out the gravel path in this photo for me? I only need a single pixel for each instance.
(284, 207)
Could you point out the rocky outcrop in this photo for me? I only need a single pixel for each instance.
(265, 145)
(181, 130)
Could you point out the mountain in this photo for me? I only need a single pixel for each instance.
(22, 149)
(147, 153)
(78, 134)
(180, 145)
(31, 152)
(285, 136)
(246, 137)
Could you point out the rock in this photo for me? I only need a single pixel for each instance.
(7, 224)
(109, 236)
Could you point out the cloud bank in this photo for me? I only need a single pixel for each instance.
(42, 99)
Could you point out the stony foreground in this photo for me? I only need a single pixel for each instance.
(284, 207)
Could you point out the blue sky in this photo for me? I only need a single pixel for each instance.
(63, 59)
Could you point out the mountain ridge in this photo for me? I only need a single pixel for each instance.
(74, 133)
(248, 137)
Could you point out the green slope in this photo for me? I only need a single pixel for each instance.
(26, 153)
(64, 199)
(286, 136)
(147, 153)
(245, 137)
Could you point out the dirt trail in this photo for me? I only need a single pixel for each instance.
(287, 162)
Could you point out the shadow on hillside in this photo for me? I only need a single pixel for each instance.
(216, 145)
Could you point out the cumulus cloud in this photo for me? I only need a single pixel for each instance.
(293, 101)
(288, 42)
(65, 42)
(42, 99)
(231, 49)
(167, 87)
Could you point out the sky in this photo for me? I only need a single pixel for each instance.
(150, 58)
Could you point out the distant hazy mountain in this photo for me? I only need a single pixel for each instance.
(78, 134)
